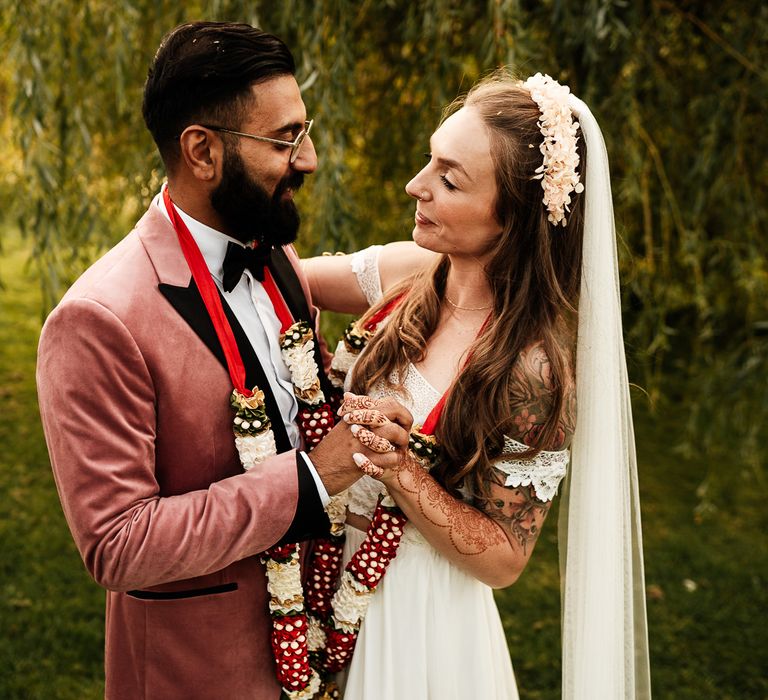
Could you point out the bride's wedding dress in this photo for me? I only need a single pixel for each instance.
(432, 631)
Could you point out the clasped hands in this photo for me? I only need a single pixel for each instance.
(381, 425)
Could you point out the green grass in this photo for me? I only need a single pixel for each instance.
(51, 612)
(707, 643)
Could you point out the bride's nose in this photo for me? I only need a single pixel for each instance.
(415, 188)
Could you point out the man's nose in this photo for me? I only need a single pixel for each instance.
(306, 159)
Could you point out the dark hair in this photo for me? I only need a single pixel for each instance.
(203, 72)
(535, 276)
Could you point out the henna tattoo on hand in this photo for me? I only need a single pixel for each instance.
(366, 417)
(354, 402)
(373, 441)
(469, 531)
(367, 467)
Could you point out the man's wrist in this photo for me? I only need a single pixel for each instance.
(321, 490)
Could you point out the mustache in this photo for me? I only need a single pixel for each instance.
(294, 182)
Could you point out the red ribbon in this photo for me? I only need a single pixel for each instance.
(430, 424)
(210, 294)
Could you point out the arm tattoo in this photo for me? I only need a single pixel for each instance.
(469, 531)
(517, 510)
(533, 392)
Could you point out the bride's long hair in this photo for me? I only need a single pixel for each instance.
(534, 274)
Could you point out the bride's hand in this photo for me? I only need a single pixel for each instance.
(382, 426)
(382, 467)
(387, 406)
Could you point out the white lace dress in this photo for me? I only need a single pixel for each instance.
(432, 631)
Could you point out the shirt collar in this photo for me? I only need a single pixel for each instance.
(212, 243)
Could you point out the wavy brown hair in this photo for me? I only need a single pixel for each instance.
(534, 274)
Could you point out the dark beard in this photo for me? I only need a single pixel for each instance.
(247, 210)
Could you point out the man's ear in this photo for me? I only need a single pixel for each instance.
(203, 153)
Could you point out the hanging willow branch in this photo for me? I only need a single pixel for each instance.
(681, 98)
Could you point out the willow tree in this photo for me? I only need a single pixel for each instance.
(680, 93)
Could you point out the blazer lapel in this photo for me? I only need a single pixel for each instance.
(189, 304)
(178, 287)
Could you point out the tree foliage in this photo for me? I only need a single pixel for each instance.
(679, 88)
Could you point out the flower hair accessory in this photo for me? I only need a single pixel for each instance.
(558, 171)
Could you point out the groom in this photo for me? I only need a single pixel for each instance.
(134, 388)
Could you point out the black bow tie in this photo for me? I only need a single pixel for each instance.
(238, 258)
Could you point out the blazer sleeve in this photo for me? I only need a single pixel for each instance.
(97, 403)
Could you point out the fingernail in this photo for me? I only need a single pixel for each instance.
(360, 458)
(354, 428)
(347, 418)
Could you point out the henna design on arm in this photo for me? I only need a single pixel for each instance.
(470, 531)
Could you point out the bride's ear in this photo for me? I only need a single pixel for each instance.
(202, 152)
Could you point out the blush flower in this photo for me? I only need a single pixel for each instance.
(558, 170)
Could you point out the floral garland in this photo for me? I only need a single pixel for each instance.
(368, 565)
(314, 634)
(255, 442)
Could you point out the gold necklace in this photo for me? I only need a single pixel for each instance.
(466, 308)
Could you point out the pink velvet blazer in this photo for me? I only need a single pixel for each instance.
(134, 400)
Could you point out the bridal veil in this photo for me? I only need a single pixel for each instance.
(604, 628)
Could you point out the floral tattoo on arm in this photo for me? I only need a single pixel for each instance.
(533, 391)
(518, 510)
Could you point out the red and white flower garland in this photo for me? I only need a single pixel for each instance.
(331, 631)
(316, 635)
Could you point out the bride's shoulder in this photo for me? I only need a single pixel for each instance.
(402, 259)
(536, 381)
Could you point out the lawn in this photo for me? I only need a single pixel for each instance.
(707, 579)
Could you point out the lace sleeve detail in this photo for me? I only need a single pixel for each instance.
(365, 265)
(544, 472)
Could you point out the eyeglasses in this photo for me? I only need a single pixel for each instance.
(294, 145)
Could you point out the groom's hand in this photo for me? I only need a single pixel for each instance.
(381, 426)
(333, 460)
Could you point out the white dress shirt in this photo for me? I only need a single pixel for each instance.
(253, 309)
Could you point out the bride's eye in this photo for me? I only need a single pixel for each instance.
(448, 184)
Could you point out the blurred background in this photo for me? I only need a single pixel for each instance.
(680, 89)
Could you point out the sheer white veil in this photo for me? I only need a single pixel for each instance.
(604, 629)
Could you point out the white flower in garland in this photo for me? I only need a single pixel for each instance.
(337, 512)
(254, 449)
(343, 360)
(254, 438)
(284, 585)
(316, 636)
(297, 348)
(350, 603)
(307, 693)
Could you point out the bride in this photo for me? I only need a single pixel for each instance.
(492, 330)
